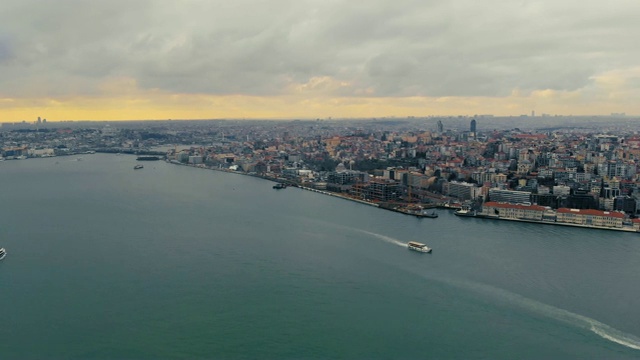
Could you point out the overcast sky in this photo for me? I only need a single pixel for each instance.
(155, 59)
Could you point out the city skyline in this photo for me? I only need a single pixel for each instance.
(117, 60)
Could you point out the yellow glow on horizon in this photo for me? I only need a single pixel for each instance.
(121, 99)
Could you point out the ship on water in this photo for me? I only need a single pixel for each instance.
(416, 246)
(3, 253)
(465, 211)
(148, 158)
(431, 215)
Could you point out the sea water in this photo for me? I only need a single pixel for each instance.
(170, 261)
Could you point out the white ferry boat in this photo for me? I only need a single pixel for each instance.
(3, 253)
(416, 246)
(465, 211)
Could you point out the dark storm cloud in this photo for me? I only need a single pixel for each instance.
(379, 47)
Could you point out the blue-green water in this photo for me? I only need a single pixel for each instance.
(176, 262)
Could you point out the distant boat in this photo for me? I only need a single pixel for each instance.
(431, 215)
(416, 246)
(147, 158)
(3, 253)
(280, 186)
(137, 167)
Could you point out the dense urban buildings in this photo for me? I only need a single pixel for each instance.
(560, 163)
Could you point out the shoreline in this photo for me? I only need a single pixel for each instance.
(340, 196)
(623, 229)
(277, 180)
(377, 205)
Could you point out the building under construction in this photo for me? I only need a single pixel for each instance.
(377, 189)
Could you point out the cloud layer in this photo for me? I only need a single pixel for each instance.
(337, 49)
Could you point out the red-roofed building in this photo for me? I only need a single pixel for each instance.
(590, 217)
(513, 211)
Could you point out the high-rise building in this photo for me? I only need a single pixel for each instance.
(472, 127)
(440, 127)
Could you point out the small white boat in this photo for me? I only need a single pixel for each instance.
(3, 253)
(416, 246)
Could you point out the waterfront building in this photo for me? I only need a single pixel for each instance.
(260, 167)
(377, 189)
(320, 185)
(590, 217)
(195, 159)
(182, 156)
(513, 211)
(290, 172)
(383, 190)
(14, 151)
(40, 152)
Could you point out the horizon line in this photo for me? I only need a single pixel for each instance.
(389, 117)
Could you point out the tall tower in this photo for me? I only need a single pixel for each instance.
(472, 127)
(440, 127)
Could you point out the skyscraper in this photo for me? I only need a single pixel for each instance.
(440, 127)
(472, 127)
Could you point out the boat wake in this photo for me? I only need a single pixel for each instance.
(616, 336)
(385, 238)
(603, 330)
